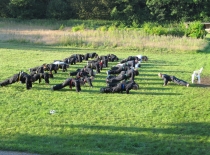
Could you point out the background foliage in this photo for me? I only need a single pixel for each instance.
(127, 11)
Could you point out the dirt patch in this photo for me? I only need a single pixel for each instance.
(205, 82)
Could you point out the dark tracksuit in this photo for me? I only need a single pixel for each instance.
(70, 60)
(39, 69)
(112, 57)
(71, 82)
(166, 78)
(51, 67)
(85, 69)
(63, 67)
(178, 81)
(40, 76)
(129, 59)
(130, 63)
(120, 87)
(78, 57)
(22, 77)
(90, 55)
(82, 75)
(105, 60)
(95, 65)
(124, 75)
(118, 69)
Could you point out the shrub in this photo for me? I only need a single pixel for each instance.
(78, 28)
(196, 30)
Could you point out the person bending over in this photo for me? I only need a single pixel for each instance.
(22, 77)
(168, 78)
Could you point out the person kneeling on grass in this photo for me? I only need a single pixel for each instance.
(71, 82)
(120, 87)
(168, 78)
(22, 77)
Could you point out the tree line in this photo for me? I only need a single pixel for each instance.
(127, 11)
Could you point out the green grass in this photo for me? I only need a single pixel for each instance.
(152, 120)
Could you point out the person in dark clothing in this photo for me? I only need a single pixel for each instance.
(70, 60)
(117, 69)
(95, 65)
(103, 59)
(61, 65)
(40, 76)
(130, 58)
(85, 69)
(39, 69)
(112, 57)
(22, 77)
(71, 82)
(90, 55)
(120, 87)
(131, 63)
(168, 78)
(124, 75)
(50, 68)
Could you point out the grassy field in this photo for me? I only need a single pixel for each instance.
(153, 120)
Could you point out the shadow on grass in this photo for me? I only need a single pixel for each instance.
(177, 138)
(155, 93)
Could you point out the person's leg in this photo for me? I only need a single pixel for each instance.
(180, 82)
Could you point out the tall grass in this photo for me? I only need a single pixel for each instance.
(102, 37)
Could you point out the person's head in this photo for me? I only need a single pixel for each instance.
(159, 74)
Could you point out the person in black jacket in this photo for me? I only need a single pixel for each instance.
(168, 78)
(40, 76)
(112, 57)
(71, 82)
(124, 75)
(22, 77)
(120, 87)
(117, 69)
(95, 65)
(90, 55)
(130, 58)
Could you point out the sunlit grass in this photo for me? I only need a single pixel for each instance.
(152, 120)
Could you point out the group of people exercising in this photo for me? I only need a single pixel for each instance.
(119, 78)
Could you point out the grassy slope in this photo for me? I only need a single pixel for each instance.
(152, 120)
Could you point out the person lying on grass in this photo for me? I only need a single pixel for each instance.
(168, 78)
(124, 75)
(120, 87)
(22, 77)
